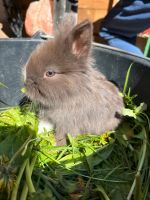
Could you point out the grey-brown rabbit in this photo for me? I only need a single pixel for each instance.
(73, 95)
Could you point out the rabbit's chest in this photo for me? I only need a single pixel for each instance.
(45, 125)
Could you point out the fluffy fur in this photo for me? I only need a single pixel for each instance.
(78, 98)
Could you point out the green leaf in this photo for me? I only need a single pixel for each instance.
(128, 112)
(142, 107)
(23, 90)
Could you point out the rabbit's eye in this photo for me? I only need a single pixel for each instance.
(49, 73)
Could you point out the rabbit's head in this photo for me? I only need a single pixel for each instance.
(57, 68)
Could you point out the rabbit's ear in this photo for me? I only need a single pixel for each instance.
(80, 38)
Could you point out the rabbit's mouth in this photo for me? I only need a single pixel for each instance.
(33, 92)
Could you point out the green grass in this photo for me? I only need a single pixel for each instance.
(111, 166)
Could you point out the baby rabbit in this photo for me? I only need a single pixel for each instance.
(72, 95)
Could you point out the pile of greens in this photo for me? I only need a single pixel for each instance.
(112, 166)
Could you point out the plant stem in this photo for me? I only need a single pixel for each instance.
(138, 187)
(24, 192)
(28, 178)
(147, 186)
(25, 187)
(102, 191)
(15, 190)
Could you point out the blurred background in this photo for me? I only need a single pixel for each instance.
(23, 18)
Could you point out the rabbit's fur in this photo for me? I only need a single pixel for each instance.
(76, 98)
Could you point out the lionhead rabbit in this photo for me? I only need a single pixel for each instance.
(72, 95)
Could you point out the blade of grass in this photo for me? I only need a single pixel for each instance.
(111, 172)
(140, 165)
(71, 140)
(87, 162)
(127, 79)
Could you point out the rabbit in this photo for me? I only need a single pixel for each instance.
(73, 96)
